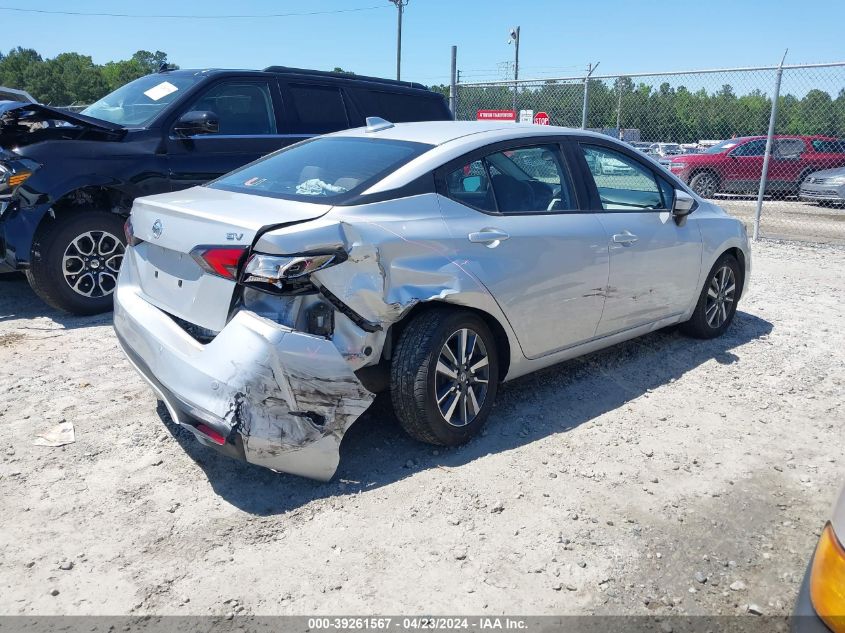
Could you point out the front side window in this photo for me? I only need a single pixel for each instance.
(751, 148)
(520, 180)
(623, 183)
(243, 108)
(322, 169)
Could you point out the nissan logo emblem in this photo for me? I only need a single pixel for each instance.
(157, 229)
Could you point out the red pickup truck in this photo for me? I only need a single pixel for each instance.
(736, 165)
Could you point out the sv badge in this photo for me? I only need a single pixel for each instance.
(234, 236)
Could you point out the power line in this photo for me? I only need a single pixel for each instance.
(192, 17)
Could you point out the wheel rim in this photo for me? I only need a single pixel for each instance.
(91, 262)
(706, 186)
(461, 377)
(720, 297)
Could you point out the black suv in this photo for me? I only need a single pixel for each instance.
(67, 180)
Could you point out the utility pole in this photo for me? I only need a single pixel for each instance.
(585, 107)
(514, 39)
(619, 110)
(400, 6)
(773, 116)
(453, 83)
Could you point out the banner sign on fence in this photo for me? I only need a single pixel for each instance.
(541, 118)
(496, 115)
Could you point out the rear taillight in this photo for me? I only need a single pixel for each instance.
(219, 260)
(280, 272)
(129, 233)
(211, 434)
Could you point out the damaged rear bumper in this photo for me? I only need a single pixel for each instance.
(259, 391)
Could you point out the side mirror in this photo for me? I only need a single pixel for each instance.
(197, 122)
(472, 183)
(683, 205)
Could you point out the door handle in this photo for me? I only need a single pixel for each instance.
(488, 237)
(625, 238)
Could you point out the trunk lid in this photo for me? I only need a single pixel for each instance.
(174, 224)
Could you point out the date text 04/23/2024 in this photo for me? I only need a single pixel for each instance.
(417, 623)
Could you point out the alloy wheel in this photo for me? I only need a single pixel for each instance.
(91, 262)
(720, 297)
(706, 186)
(461, 377)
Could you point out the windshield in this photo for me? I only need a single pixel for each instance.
(327, 167)
(138, 102)
(724, 146)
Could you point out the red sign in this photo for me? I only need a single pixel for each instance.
(541, 118)
(496, 115)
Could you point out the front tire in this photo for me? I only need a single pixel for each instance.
(705, 184)
(444, 376)
(75, 261)
(717, 302)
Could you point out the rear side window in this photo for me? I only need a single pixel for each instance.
(402, 108)
(788, 147)
(824, 146)
(470, 185)
(319, 109)
(623, 183)
(322, 169)
(514, 181)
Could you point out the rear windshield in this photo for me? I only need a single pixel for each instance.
(401, 108)
(321, 169)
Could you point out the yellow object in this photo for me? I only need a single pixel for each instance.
(18, 179)
(827, 581)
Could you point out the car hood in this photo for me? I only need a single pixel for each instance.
(694, 158)
(36, 113)
(829, 173)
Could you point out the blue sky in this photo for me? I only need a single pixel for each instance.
(559, 37)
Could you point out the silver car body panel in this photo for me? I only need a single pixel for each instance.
(824, 186)
(290, 396)
(555, 289)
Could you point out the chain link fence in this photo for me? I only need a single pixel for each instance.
(712, 129)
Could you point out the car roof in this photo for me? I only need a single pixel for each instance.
(803, 137)
(442, 132)
(303, 73)
(452, 139)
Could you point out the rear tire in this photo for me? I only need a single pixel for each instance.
(75, 261)
(440, 395)
(717, 302)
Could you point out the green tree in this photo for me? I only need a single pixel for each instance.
(14, 66)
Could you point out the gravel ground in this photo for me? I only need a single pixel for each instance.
(662, 476)
(789, 219)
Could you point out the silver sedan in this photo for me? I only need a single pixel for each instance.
(431, 260)
(824, 186)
